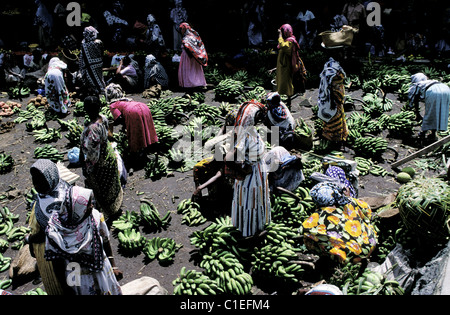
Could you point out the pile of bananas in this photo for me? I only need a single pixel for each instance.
(375, 106)
(206, 110)
(288, 210)
(6, 225)
(74, 130)
(401, 123)
(155, 169)
(38, 121)
(278, 261)
(367, 166)
(258, 94)
(190, 210)
(402, 92)
(4, 245)
(5, 262)
(277, 233)
(19, 92)
(192, 282)
(37, 291)
(6, 163)
(161, 248)
(131, 240)
(150, 216)
(47, 151)
(370, 146)
(16, 235)
(220, 234)
(159, 118)
(78, 109)
(372, 283)
(28, 113)
(228, 272)
(228, 89)
(128, 220)
(166, 137)
(226, 107)
(393, 81)
(371, 86)
(47, 135)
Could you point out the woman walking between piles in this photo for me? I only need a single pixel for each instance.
(91, 62)
(55, 87)
(99, 162)
(78, 234)
(436, 96)
(250, 210)
(331, 98)
(193, 59)
(290, 71)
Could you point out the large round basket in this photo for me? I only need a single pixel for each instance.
(424, 206)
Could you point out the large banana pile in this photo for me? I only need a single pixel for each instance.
(401, 123)
(228, 272)
(131, 240)
(372, 283)
(74, 130)
(47, 135)
(370, 146)
(155, 169)
(151, 218)
(367, 166)
(161, 248)
(47, 151)
(190, 210)
(128, 220)
(192, 282)
(228, 89)
(291, 210)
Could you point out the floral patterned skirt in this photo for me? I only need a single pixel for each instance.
(343, 233)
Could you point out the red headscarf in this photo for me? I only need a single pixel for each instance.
(288, 34)
(193, 43)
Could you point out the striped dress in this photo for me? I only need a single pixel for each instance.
(250, 210)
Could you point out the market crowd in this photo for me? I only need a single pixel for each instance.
(71, 223)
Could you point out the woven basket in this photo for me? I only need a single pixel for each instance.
(424, 206)
(344, 37)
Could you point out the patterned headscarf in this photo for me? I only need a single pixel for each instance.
(288, 34)
(51, 200)
(90, 34)
(328, 194)
(339, 173)
(274, 104)
(114, 93)
(194, 44)
(73, 234)
(331, 68)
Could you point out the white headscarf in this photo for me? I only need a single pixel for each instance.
(419, 84)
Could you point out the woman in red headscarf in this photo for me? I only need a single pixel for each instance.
(289, 62)
(193, 59)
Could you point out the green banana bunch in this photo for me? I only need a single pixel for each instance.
(378, 170)
(6, 226)
(4, 245)
(226, 107)
(302, 129)
(258, 93)
(19, 92)
(30, 197)
(74, 131)
(372, 283)
(403, 91)
(375, 106)
(47, 135)
(5, 262)
(161, 248)
(206, 110)
(278, 233)
(363, 165)
(128, 220)
(155, 169)
(6, 163)
(26, 114)
(192, 282)
(371, 86)
(228, 89)
(159, 119)
(38, 121)
(8, 215)
(288, 210)
(37, 291)
(131, 240)
(228, 272)
(279, 261)
(78, 109)
(370, 146)
(192, 215)
(401, 123)
(220, 234)
(16, 235)
(151, 218)
(5, 284)
(48, 152)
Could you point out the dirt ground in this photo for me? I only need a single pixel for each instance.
(164, 193)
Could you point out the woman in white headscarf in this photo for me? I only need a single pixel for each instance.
(436, 96)
(44, 21)
(78, 234)
(55, 86)
(154, 38)
(178, 15)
